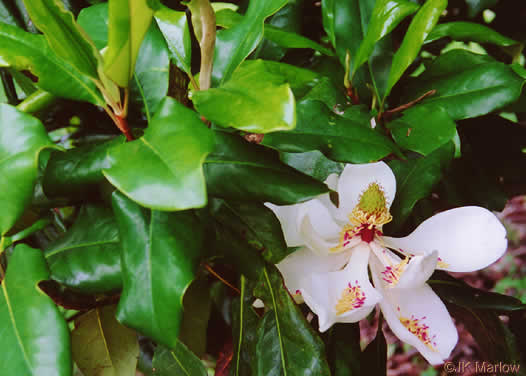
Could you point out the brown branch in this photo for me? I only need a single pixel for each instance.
(387, 115)
(122, 124)
(213, 272)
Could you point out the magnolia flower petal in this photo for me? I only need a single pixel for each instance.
(418, 317)
(418, 271)
(398, 273)
(304, 262)
(467, 239)
(317, 227)
(325, 199)
(332, 181)
(356, 178)
(342, 296)
(287, 216)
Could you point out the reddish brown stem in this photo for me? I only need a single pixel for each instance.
(122, 124)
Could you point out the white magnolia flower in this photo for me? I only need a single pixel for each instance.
(330, 271)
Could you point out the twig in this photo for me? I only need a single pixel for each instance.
(387, 115)
(207, 267)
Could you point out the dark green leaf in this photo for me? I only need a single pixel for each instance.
(25, 51)
(256, 224)
(227, 18)
(387, 14)
(461, 294)
(286, 343)
(178, 361)
(259, 101)
(22, 138)
(163, 169)
(422, 24)
(35, 336)
(467, 85)
(343, 350)
(469, 31)
(375, 354)
(174, 28)
(235, 162)
(412, 133)
(244, 325)
(94, 21)
(77, 171)
(340, 139)
(197, 305)
(415, 178)
(235, 44)
(87, 257)
(66, 38)
(312, 163)
(102, 346)
(162, 248)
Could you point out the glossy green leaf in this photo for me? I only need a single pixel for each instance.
(22, 138)
(340, 139)
(415, 178)
(469, 31)
(312, 163)
(177, 361)
(101, 346)
(128, 22)
(343, 350)
(412, 132)
(235, 162)
(259, 101)
(254, 222)
(78, 171)
(422, 24)
(346, 23)
(35, 336)
(286, 343)
(87, 257)
(163, 248)
(375, 354)
(25, 51)
(387, 14)
(235, 44)
(227, 18)
(94, 21)
(149, 84)
(163, 169)
(174, 27)
(197, 306)
(66, 38)
(458, 292)
(244, 325)
(467, 85)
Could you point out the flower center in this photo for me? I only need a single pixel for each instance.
(419, 329)
(372, 207)
(352, 297)
(370, 212)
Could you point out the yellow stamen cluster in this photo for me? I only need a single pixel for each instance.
(372, 207)
(352, 297)
(392, 274)
(419, 329)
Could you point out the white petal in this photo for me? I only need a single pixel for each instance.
(467, 238)
(323, 291)
(288, 217)
(317, 228)
(332, 181)
(356, 178)
(304, 262)
(418, 271)
(415, 273)
(423, 304)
